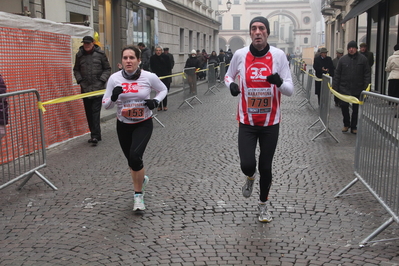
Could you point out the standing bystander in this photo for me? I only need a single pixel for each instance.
(161, 66)
(192, 61)
(322, 65)
(352, 76)
(92, 71)
(259, 111)
(339, 54)
(369, 55)
(145, 56)
(392, 66)
(171, 59)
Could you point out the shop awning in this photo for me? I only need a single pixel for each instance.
(157, 4)
(360, 8)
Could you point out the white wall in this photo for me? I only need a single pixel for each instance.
(55, 10)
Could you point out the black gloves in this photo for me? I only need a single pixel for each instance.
(275, 79)
(151, 103)
(115, 93)
(234, 90)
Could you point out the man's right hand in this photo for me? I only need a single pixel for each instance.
(234, 89)
(115, 93)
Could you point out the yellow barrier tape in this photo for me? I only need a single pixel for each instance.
(313, 76)
(71, 98)
(347, 98)
(94, 93)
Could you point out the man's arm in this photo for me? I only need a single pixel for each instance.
(106, 69)
(76, 70)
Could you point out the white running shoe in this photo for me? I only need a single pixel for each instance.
(145, 182)
(264, 214)
(138, 202)
(248, 186)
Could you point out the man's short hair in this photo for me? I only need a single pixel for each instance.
(140, 44)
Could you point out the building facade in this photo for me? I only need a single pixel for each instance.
(294, 24)
(181, 25)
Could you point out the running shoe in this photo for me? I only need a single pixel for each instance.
(145, 182)
(264, 214)
(138, 202)
(248, 186)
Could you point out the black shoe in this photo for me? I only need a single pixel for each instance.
(94, 141)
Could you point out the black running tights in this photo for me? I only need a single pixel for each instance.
(248, 137)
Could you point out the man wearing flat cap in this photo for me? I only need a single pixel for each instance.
(369, 55)
(352, 76)
(339, 53)
(264, 75)
(92, 71)
(322, 65)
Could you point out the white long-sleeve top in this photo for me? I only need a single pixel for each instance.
(259, 101)
(130, 104)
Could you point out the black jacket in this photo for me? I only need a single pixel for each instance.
(192, 62)
(160, 65)
(320, 63)
(353, 75)
(91, 70)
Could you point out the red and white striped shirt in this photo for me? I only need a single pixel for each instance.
(259, 101)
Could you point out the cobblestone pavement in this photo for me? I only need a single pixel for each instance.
(195, 213)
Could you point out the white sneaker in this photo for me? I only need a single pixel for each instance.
(145, 182)
(138, 202)
(264, 214)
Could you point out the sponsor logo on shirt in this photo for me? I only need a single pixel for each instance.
(130, 87)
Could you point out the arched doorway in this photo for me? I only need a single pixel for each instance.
(236, 43)
(222, 44)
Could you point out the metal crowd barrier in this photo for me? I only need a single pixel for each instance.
(211, 79)
(23, 149)
(222, 73)
(324, 108)
(308, 90)
(189, 87)
(377, 154)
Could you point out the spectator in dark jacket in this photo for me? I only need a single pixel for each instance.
(214, 59)
(369, 55)
(192, 61)
(229, 56)
(92, 71)
(161, 66)
(352, 76)
(322, 65)
(222, 56)
(145, 56)
(3, 109)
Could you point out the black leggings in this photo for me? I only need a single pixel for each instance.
(248, 137)
(133, 139)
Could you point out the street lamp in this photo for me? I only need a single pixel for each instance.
(220, 12)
